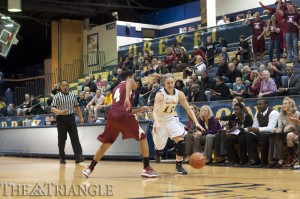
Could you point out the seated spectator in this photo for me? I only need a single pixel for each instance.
(50, 120)
(139, 91)
(90, 84)
(99, 82)
(161, 69)
(199, 66)
(11, 110)
(237, 63)
(264, 121)
(23, 108)
(238, 88)
(268, 86)
(115, 83)
(195, 79)
(262, 68)
(191, 145)
(243, 49)
(219, 45)
(196, 52)
(275, 74)
(233, 73)
(149, 71)
(105, 86)
(254, 84)
(211, 126)
(3, 110)
(135, 66)
(220, 137)
(222, 67)
(206, 83)
(196, 95)
(183, 60)
(220, 91)
(88, 96)
(277, 139)
(179, 85)
(121, 62)
(224, 54)
(108, 98)
(96, 103)
(82, 102)
(237, 122)
(291, 84)
(35, 107)
(246, 71)
(154, 63)
(170, 59)
(210, 51)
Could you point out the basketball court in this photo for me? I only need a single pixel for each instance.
(46, 178)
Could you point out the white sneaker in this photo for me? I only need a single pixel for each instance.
(87, 172)
(297, 166)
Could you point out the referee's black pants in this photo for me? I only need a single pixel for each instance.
(65, 124)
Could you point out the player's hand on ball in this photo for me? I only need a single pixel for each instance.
(146, 108)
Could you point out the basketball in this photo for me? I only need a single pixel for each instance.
(197, 160)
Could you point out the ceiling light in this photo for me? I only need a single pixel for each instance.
(14, 6)
(9, 25)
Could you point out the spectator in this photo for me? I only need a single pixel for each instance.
(179, 85)
(277, 139)
(262, 68)
(150, 70)
(246, 71)
(206, 83)
(161, 69)
(3, 110)
(238, 121)
(275, 74)
(264, 121)
(23, 108)
(90, 84)
(258, 40)
(268, 86)
(210, 51)
(11, 110)
(291, 30)
(211, 126)
(183, 60)
(105, 86)
(224, 54)
(114, 84)
(237, 63)
(222, 67)
(233, 73)
(196, 95)
(35, 107)
(243, 49)
(220, 91)
(138, 92)
(96, 103)
(291, 84)
(254, 87)
(273, 29)
(99, 82)
(219, 45)
(154, 63)
(170, 59)
(199, 66)
(196, 52)
(108, 98)
(239, 89)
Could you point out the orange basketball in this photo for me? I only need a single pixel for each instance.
(197, 160)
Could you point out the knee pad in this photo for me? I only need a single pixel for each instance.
(180, 148)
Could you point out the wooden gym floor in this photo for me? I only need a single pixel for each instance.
(46, 178)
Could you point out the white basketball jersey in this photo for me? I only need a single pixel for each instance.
(167, 108)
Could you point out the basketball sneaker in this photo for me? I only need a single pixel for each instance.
(149, 172)
(87, 172)
(179, 169)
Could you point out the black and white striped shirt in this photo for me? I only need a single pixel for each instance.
(63, 101)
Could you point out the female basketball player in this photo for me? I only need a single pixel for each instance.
(166, 124)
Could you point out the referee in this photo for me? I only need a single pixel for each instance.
(63, 105)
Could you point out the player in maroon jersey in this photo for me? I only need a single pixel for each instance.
(120, 119)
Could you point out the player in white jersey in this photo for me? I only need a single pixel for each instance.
(166, 124)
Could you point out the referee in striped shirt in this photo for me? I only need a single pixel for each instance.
(63, 105)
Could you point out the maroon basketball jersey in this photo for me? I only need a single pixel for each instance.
(119, 95)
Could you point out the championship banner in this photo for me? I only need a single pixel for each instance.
(230, 32)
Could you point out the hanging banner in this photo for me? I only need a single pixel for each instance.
(203, 13)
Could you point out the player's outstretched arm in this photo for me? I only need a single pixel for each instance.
(141, 109)
(185, 104)
(157, 103)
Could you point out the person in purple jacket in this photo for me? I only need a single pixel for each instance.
(211, 126)
(268, 87)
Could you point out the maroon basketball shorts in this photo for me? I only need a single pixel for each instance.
(121, 122)
(258, 45)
